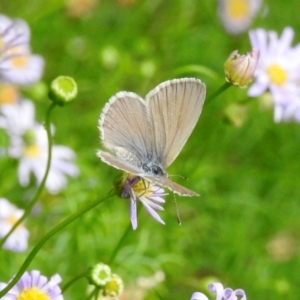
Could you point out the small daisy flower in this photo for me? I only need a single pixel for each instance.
(221, 293)
(146, 192)
(33, 159)
(17, 64)
(277, 71)
(9, 215)
(33, 285)
(237, 15)
(21, 67)
(29, 144)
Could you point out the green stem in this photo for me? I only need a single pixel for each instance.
(52, 232)
(42, 185)
(219, 91)
(122, 239)
(74, 279)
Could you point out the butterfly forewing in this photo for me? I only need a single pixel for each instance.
(124, 127)
(174, 108)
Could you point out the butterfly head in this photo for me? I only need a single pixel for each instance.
(152, 168)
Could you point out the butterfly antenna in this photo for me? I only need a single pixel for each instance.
(177, 210)
(172, 175)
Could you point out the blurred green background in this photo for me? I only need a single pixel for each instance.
(244, 229)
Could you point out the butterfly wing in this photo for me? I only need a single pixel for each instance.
(174, 108)
(163, 181)
(124, 128)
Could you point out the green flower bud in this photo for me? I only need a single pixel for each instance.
(99, 275)
(63, 90)
(114, 287)
(239, 69)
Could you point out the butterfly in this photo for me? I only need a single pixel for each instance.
(144, 137)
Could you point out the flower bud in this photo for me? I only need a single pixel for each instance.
(63, 90)
(239, 69)
(114, 287)
(99, 275)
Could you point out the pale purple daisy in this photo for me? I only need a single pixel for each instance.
(237, 15)
(17, 64)
(146, 192)
(278, 71)
(9, 215)
(33, 285)
(28, 142)
(221, 293)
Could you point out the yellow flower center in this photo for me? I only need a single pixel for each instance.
(277, 74)
(12, 219)
(142, 188)
(32, 151)
(8, 94)
(19, 61)
(33, 294)
(237, 9)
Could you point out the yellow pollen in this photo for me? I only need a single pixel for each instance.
(142, 188)
(277, 74)
(33, 294)
(237, 9)
(8, 94)
(19, 61)
(32, 151)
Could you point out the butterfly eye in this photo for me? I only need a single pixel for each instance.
(157, 171)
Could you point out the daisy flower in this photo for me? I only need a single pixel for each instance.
(33, 155)
(221, 293)
(33, 285)
(237, 15)
(17, 64)
(29, 143)
(9, 215)
(278, 72)
(146, 192)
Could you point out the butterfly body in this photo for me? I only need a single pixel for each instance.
(143, 137)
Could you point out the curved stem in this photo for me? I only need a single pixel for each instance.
(42, 185)
(122, 239)
(117, 248)
(52, 232)
(219, 91)
(74, 279)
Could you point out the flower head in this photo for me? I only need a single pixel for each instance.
(237, 15)
(221, 293)
(9, 215)
(239, 69)
(114, 287)
(33, 285)
(146, 192)
(28, 142)
(63, 90)
(17, 64)
(99, 275)
(278, 71)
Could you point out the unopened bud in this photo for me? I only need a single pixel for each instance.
(63, 90)
(99, 275)
(239, 69)
(114, 287)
